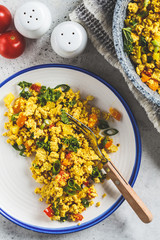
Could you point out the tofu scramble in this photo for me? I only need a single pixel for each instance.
(64, 163)
(142, 40)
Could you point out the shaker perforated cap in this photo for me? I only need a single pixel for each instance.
(32, 19)
(69, 39)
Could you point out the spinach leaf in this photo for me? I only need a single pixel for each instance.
(72, 143)
(64, 117)
(72, 103)
(48, 94)
(13, 117)
(45, 145)
(25, 93)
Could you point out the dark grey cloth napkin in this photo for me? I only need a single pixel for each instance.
(96, 16)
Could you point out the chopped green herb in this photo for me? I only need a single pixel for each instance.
(24, 84)
(25, 93)
(71, 188)
(146, 2)
(47, 121)
(71, 183)
(56, 167)
(72, 103)
(64, 117)
(65, 87)
(85, 202)
(47, 95)
(156, 45)
(127, 40)
(42, 126)
(143, 41)
(72, 143)
(149, 59)
(41, 144)
(133, 22)
(143, 14)
(63, 219)
(55, 209)
(96, 173)
(13, 118)
(20, 148)
(35, 166)
(104, 142)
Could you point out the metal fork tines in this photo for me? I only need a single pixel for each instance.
(89, 134)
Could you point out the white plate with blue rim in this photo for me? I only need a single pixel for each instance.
(18, 201)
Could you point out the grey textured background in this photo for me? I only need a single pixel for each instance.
(123, 224)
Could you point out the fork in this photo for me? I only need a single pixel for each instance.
(112, 172)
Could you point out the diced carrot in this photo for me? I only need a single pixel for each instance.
(109, 143)
(148, 72)
(144, 77)
(93, 120)
(21, 120)
(115, 114)
(65, 162)
(153, 84)
(27, 146)
(17, 107)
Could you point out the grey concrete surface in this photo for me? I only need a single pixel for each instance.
(123, 224)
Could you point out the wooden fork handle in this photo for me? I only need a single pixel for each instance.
(128, 193)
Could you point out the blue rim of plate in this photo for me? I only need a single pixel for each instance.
(135, 168)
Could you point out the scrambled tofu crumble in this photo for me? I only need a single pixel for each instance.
(64, 163)
(141, 37)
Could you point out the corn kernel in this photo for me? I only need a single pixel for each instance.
(9, 98)
(15, 129)
(19, 141)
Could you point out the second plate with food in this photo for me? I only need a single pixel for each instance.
(118, 24)
(18, 201)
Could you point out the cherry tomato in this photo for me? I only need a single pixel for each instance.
(78, 217)
(36, 88)
(115, 114)
(12, 44)
(5, 18)
(68, 155)
(49, 211)
(86, 183)
(52, 125)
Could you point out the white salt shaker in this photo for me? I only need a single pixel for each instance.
(32, 19)
(69, 39)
